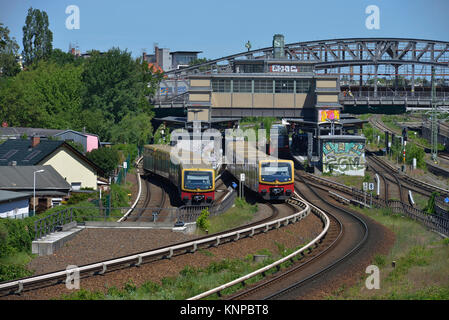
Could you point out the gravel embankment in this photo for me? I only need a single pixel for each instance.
(93, 243)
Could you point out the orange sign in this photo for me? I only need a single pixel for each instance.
(328, 115)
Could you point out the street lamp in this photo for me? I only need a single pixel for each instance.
(34, 189)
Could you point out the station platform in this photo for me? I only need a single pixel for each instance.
(50, 243)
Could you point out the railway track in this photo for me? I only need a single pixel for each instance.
(134, 260)
(405, 180)
(326, 256)
(387, 176)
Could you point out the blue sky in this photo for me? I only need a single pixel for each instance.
(220, 28)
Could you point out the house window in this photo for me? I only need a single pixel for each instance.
(76, 185)
(56, 202)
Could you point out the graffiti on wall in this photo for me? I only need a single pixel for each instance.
(325, 115)
(344, 157)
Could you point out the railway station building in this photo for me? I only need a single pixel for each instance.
(284, 88)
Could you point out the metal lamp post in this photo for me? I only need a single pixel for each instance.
(34, 189)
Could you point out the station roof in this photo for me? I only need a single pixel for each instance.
(342, 137)
(182, 52)
(182, 121)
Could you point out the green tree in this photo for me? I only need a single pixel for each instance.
(61, 58)
(112, 84)
(105, 158)
(133, 128)
(47, 95)
(8, 53)
(37, 37)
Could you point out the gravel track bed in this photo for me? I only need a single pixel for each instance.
(290, 236)
(380, 240)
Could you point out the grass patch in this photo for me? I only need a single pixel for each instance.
(190, 281)
(350, 181)
(421, 263)
(239, 214)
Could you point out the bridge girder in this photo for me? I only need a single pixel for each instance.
(351, 51)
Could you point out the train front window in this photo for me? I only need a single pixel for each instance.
(198, 180)
(280, 171)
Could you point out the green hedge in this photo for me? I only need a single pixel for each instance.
(16, 235)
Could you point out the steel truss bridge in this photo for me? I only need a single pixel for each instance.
(378, 71)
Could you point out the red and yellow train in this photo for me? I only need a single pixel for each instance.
(270, 177)
(194, 179)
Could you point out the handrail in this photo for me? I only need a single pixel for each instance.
(169, 250)
(276, 263)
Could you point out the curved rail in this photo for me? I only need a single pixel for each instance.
(276, 263)
(166, 252)
(138, 195)
(334, 263)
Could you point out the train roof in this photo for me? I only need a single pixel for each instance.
(243, 150)
(189, 160)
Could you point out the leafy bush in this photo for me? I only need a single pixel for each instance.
(106, 158)
(78, 197)
(15, 271)
(203, 222)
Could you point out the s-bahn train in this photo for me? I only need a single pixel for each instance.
(195, 181)
(279, 139)
(270, 177)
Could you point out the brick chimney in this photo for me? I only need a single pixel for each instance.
(35, 140)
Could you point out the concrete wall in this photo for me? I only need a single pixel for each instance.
(221, 100)
(284, 100)
(327, 98)
(199, 97)
(326, 83)
(263, 100)
(201, 114)
(199, 83)
(15, 210)
(242, 100)
(72, 169)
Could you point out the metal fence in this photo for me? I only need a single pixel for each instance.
(436, 222)
(52, 222)
(394, 95)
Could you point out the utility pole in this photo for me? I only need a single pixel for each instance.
(434, 123)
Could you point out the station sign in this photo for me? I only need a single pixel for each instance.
(242, 177)
(283, 68)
